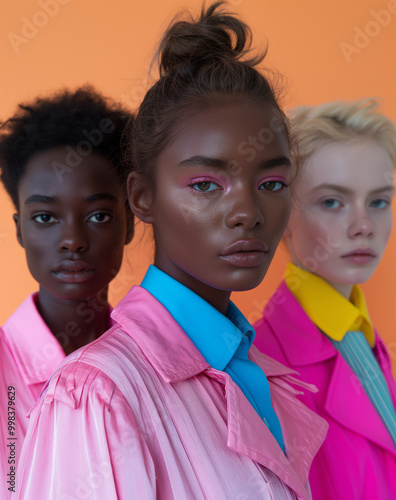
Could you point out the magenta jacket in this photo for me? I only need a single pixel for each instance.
(358, 458)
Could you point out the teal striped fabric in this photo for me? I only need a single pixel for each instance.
(356, 351)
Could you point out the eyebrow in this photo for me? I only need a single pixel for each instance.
(40, 198)
(342, 189)
(220, 164)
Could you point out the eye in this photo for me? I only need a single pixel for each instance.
(205, 186)
(100, 217)
(379, 203)
(331, 203)
(272, 185)
(44, 219)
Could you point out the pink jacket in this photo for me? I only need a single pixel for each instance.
(29, 353)
(358, 458)
(140, 414)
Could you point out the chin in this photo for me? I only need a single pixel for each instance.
(245, 285)
(358, 277)
(76, 294)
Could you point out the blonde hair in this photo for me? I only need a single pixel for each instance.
(314, 126)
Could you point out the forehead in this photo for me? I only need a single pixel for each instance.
(357, 163)
(241, 129)
(62, 170)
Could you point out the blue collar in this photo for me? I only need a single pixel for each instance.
(216, 336)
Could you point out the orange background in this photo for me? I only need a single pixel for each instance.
(110, 44)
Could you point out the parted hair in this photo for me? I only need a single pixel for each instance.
(315, 126)
(62, 119)
(201, 62)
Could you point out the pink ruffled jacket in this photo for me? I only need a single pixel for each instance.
(140, 414)
(358, 458)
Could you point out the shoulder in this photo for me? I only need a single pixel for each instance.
(24, 311)
(286, 332)
(283, 317)
(75, 381)
(97, 371)
(281, 303)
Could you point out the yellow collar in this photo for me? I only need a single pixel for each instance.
(328, 309)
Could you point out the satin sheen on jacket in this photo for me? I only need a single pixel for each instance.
(139, 413)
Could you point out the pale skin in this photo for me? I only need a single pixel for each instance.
(342, 197)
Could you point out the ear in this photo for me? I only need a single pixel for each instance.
(140, 197)
(17, 221)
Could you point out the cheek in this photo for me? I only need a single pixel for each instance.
(386, 230)
(36, 248)
(108, 251)
(283, 212)
(306, 233)
(37, 261)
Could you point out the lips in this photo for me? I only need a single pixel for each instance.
(73, 271)
(245, 253)
(360, 256)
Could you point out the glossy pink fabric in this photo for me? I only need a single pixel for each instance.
(140, 414)
(358, 459)
(29, 354)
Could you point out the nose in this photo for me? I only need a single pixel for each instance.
(244, 212)
(73, 238)
(361, 224)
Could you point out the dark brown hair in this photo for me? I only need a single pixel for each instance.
(62, 119)
(201, 62)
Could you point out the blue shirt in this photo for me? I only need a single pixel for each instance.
(223, 341)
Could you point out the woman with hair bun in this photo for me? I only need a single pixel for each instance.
(173, 402)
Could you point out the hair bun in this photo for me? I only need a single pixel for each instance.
(194, 43)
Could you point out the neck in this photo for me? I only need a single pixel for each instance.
(75, 323)
(218, 300)
(344, 289)
(216, 297)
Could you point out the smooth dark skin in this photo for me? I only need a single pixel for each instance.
(193, 227)
(80, 216)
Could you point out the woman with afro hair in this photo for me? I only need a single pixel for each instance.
(60, 160)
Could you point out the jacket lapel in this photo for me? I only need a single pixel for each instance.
(249, 436)
(303, 431)
(348, 404)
